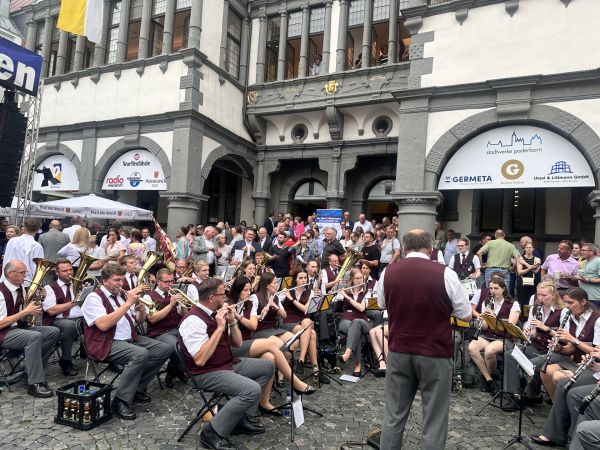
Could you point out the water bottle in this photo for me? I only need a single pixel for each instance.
(286, 410)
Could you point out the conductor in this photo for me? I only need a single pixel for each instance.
(420, 295)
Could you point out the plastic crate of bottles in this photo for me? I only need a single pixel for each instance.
(83, 404)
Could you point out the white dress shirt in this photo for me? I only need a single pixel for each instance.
(93, 308)
(132, 279)
(192, 291)
(497, 306)
(476, 263)
(193, 331)
(71, 252)
(367, 226)
(50, 301)
(12, 288)
(580, 323)
(25, 249)
(70, 231)
(150, 243)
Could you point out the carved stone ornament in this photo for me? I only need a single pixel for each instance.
(331, 87)
(253, 97)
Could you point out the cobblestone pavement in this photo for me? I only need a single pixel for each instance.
(349, 412)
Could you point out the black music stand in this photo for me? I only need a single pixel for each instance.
(315, 305)
(286, 347)
(372, 305)
(457, 324)
(519, 439)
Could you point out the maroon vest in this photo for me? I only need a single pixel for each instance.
(502, 314)
(167, 323)
(330, 274)
(98, 342)
(246, 333)
(126, 285)
(541, 338)
(433, 256)
(11, 308)
(586, 335)
(463, 270)
(295, 315)
(350, 312)
(47, 319)
(419, 308)
(221, 359)
(269, 321)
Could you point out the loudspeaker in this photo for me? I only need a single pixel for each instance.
(12, 139)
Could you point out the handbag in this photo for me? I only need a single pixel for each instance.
(528, 281)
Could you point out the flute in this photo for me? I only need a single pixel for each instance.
(580, 369)
(291, 289)
(587, 400)
(554, 342)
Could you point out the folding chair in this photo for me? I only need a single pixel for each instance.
(208, 404)
(9, 356)
(92, 363)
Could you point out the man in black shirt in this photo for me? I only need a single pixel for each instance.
(331, 246)
(280, 252)
(371, 254)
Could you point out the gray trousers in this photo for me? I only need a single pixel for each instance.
(68, 335)
(586, 436)
(38, 343)
(375, 316)
(243, 385)
(170, 338)
(512, 372)
(405, 374)
(355, 329)
(563, 416)
(534, 386)
(142, 361)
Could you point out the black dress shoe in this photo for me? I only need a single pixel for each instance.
(379, 373)
(141, 397)
(486, 386)
(269, 412)
(169, 381)
(511, 403)
(40, 390)
(299, 368)
(210, 439)
(247, 427)
(122, 409)
(308, 391)
(68, 369)
(536, 438)
(531, 401)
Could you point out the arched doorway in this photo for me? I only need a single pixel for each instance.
(379, 201)
(309, 196)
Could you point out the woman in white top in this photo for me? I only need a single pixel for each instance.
(390, 249)
(80, 244)
(97, 252)
(347, 238)
(113, 248)
(222, 252)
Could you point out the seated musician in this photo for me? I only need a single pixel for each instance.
(378, 336)
(543, 316)
(201, 274)
(270, 308)
(374, 315)
(62, 311)
(329, 274)
(207, 334)
(266, 348)
(354, 322)
(296, 303)
(131, 266)
(261, 263)
(501, 306)
(563, 415)
(163, 325)
(182, 281)
(249, 271)
(110, 335)
(37, 343)
(578, 337)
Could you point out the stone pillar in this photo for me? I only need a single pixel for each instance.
(326, 39)
(304, 63)
(282, 45)
(260, 209)
(100, 48)
(87, 183)
(79, 53)
(62, 52)
(340, 53)
(393, 34)
(195, 25)
(167, 44)
(262, 49)
(123, 31)
(182, 210)
(594, 200)
(366, 43)
(144, 43)
(417, 210)
(48, 28)
(225, 19)
(261, 190)
(244, 50)
(31, 35)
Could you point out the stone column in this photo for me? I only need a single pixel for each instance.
(167, 44)
(31, 35)
(340, 53)
(48, 28)
(223, 52)
(100, 48)
(87, 183)
(366, 43)
(326, 38)
(260, 208)
(182, 210)
(262, 49)
(144, 43)
(195, 25)
(304, 63)
(62, 52)
(79, 53)
(393, 34)
(282, 45)
(417, 210)
(123, 31)
(259, 195)
(244, 50)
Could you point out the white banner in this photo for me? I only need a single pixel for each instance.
(55, 173)
(516, 157)
(136, 170)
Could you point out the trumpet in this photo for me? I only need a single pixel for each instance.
(587, 400)
(489, 303)
(554, 342)
(580, 369)
(184, 300)
(151, 304)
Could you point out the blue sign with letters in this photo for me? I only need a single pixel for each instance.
(20, 69)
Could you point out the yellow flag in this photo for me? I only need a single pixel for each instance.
(71, 17)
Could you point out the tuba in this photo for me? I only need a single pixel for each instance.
(80, 278)
(43, 266)
(144, 276)
(352, 257)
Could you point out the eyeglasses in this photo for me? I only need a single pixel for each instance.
(20, 272)
(166, 281)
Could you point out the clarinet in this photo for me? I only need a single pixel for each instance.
(580, 369)
(489, 303)
(587, 400)
(554, 342)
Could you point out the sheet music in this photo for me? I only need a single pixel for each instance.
(298, 412)
(350, 378)
(87, 290)
(238, 255)
(523, 361)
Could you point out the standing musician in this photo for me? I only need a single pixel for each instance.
(354, 322)
(543, 316)
(465, 263)
(420, 296)
(576, 339)
(329, 273)
(37, 343)
(207, 334)
(201, 274)
(163, 325)
(503, 307)
(62, 311)
(110, 335)
(131, 267)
